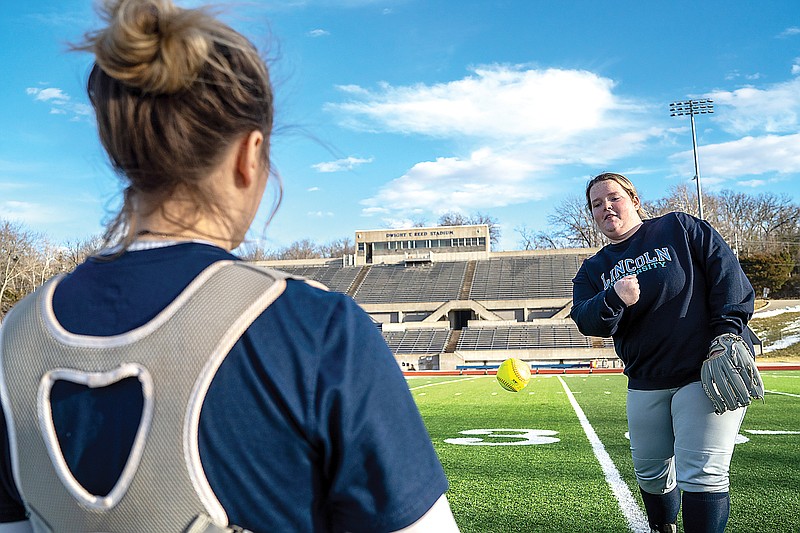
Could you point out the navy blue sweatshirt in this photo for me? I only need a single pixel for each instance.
(692, 289)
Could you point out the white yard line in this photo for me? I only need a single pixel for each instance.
(783, 393)
(444, 382)
(637, 520)
(771, 432)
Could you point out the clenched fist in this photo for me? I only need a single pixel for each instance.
(627, 289)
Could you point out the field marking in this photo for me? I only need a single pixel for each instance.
(783, 393)
(771, 432)
(445, 382)
(637, 521)
(528, 436)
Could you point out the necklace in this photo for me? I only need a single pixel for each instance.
(176, 238)
(161, 234)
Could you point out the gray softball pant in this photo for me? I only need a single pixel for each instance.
(676, 438)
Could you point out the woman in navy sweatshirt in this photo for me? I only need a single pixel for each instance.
(664, 288)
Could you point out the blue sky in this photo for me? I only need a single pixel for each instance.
(393, 111)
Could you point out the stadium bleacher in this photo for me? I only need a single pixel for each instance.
(335, 277)
(471, 311)
(522, 337)
(513, 278)
(417, 341)
(398, 283)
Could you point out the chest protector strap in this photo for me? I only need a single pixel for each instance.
(174, 356)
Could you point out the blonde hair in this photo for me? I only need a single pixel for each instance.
(624, 182)
(172, 89)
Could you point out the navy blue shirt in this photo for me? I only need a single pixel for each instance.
(308, 424)
(692, 289)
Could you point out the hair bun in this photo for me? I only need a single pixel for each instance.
(151, 44)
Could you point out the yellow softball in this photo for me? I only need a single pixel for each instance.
(513, 374)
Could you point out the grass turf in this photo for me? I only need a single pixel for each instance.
(508, 481)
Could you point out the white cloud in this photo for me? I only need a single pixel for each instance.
(318, 33)
(353, 89)
(734, 74)
(340, 165)
(61, 18)
(755, 184)
(375, 210)
(749, 110)
(495, 102)
(484, 179)
(796, 67)
(396, 223)
(61, 102)
(284, 5)
(320, 214)
(312, 189)
(518, 125)
(748, 156)
(48, 94)
(31, 213)
(788, 32)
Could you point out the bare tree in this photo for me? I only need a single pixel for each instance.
(49, 262)
(17, 264)
(739, 217)
(302, 249)
(573, 225)
(338, 248)
(454, 218)
(527, 237)
(419, 222)
(766, 223)
(679, 198)
(531, 239)
(75, 252)
(777, 219)
(255, 251)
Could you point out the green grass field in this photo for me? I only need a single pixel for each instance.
(537, 470)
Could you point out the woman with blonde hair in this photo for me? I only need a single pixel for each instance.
(165, 385)
(667, 289)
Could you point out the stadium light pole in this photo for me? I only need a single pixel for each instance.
(692, 108)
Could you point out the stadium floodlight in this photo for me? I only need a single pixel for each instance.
(692, 108)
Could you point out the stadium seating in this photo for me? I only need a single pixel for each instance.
(521, 337)
(398, 283)
(471, 310)
(513, 278)
(417, 341)
(336, 278)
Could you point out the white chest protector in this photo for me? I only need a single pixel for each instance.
(174, 356)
